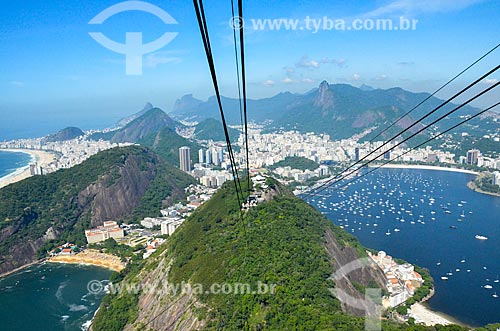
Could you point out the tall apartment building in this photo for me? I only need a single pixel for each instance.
(185, 158)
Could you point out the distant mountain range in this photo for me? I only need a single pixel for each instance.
(340, 110)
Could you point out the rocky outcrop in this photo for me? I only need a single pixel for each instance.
(110, 201)
(163, 307)
(324, 98)
(342, 256)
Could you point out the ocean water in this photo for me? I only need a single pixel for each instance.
(11, 161)
(437, 216)
(49, 297)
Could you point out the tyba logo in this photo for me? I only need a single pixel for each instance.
(133, 48)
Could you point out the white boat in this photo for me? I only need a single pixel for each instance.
(444, 278)
(488, 286)
(479, 237)
(397, 230)
(495, 295)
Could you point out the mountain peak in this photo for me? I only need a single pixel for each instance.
(186, 102)
(150, 122)
(325, 98)
(147, 107)
(324, 85)
(124, 121)
(365, 87)
(65, 134)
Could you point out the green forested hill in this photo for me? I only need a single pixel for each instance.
(166, 143)
(149, 122)
(120, 184)
(211, 129)
(283, 242)
(296, 162)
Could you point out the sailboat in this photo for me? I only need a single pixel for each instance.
(495, 295)
(388, 233)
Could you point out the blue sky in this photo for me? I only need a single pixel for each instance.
(53, 74)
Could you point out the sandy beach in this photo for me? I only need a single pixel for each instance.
(424, 315)
(425, 167)
(43, 158)
(92, 257)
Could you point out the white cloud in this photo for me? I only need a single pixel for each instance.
(289, 69)
(307, 80)
(305, 62)
(415, 7)
(356, 77)
(339, 62)
(269, 82)
(405, 63)
(154, 59)
(490, 81)
(288, 80)
(17, 83)
(381, 77)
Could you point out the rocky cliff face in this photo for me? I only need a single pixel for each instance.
(342, 256)
(325, 97)
(111, 202)
(171, 312)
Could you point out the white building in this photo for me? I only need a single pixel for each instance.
(106, 231)
(496, 178)
(169, 225)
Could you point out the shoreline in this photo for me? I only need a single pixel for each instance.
(397, 166)
(8, 273)
(91, 257)
(42, 157)
(474, 188)
(424, 167)
(425, 315)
